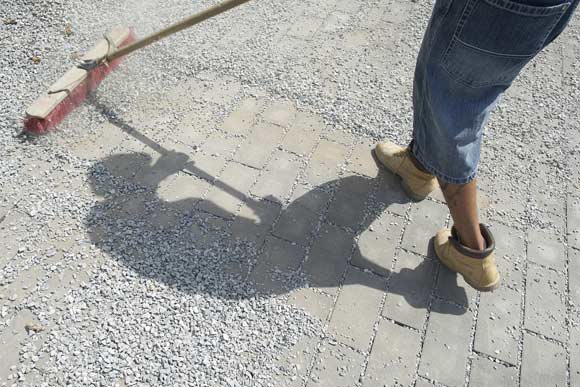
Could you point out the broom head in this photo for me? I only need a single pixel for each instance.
(74, 86)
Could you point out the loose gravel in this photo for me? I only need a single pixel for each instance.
(201, 324)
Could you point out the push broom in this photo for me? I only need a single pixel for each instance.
(75, 85)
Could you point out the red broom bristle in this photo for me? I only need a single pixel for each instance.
(37, 126)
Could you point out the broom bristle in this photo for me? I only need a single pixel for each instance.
(37, 126)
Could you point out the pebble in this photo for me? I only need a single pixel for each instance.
(134, 262)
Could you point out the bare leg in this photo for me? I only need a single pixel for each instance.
(462, 203)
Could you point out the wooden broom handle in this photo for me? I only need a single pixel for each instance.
(186, 23)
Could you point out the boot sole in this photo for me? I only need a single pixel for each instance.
(489, 288)
(413, 196)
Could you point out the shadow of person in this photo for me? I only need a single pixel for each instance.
(148, 217)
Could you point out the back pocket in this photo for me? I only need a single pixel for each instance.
(496, 38)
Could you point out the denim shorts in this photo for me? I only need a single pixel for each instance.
(471, 53)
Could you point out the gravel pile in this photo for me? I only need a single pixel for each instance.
(128, 320)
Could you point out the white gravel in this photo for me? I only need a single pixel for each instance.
(196, 323)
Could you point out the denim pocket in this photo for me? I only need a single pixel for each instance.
(495, 39)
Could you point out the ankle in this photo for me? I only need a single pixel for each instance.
(476, 242)
(473, 239)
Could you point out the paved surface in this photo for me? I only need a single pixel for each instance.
(245, 175)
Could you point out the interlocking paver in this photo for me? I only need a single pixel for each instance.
(409, 290)
(543, 363)
(277, 180)
(485, 372)
(316, 303)
(361, 160)
(295, 362)
(510, 254)
(497, 333)
(303, 134)
(313, 199)
(328, 258)
(427, 218)
(574, 356)
(389, 195)
(213, 155)
(101, 143)
(348, 207)
(357, 308)
(337, 366)
(254, 220)
(280, 113)
(325, 162)
(277, 257)
(378, 242)
(452, 287)
(423, 383)
(573, 216)
(319, 244)
(445, 351)
(574, 277)
(225, 202)
(243, 118)
(296, 223)
(257, 148)
(183, 190)
(545, 249)
(545, 306)
(393, 359)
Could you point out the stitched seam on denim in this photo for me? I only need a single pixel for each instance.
(562, 12)
(496, 53)
(527, 10)
(469, 7)
(440, 24)
(437, 173)
(460, 78)
(463, 79)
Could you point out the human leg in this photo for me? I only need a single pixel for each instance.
(471, 53)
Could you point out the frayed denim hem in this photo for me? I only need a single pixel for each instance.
(440, 175)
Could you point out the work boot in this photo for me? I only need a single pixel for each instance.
(416, 183)
(476, 266)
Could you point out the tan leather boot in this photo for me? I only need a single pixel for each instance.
(477, 267)
(416, 183)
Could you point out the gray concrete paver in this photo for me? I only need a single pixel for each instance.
(409, 290)
(546, 249)
(256, 150)
(485, 372)
(325, 163)
(357, 307)
(445, 351)
(337, 366)
(327, 230)
(543, 363)
(393, 359)
(328, 258)
(427, 218)
(545, 303)
(377, 244)
(497, 332)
